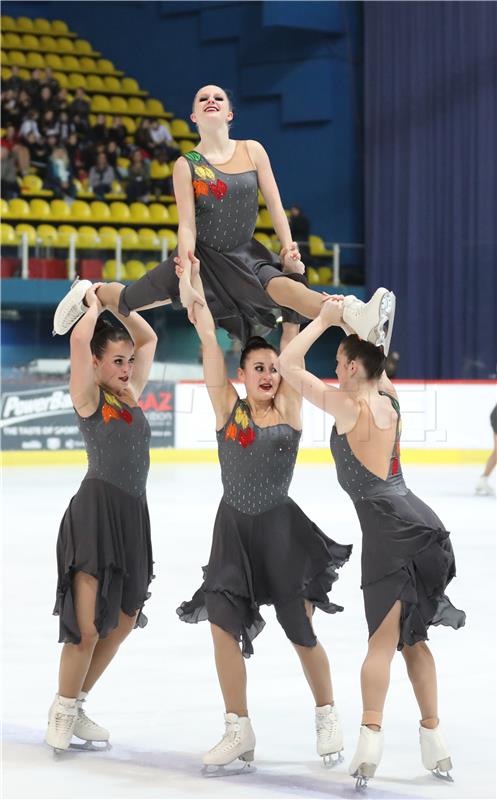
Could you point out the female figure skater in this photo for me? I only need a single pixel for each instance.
(264, 549)
(104, 553)
(407, 558)
(483, 486)
(216, 187)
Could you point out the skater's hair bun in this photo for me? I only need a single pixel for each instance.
(105, 332)
(255, 343)
(371, 357)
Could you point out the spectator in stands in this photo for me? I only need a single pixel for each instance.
(59, 175)
(15, 83)
(101, 176)
(10, 187)
(81, 124)
(32, 86)
(80, 106)
(64, 126)
(45, 101)
(99, 130)
(48, 80)
(117, 133)
(11, 113)
(112, 154)
(61, 102)
(10, 141)
(300, 229)
(143, 139)
(30, 126)
(138, 183)
(162, 141)
(48, 125)
(76, 156)
(25, 103)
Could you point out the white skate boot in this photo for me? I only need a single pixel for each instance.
(373, 320)
(367, 756)
(61, 721)
(88, 730)
(238, 742)
(483, 487)
(71, 307)
(329, 737)
(434, 753)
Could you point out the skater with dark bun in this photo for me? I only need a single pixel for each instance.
(104, 553)
(265, 550)
(246, 286)
(407, 558)
(484, 487)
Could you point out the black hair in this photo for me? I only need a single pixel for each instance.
(255, 343)
(106, 332)
(371, 357)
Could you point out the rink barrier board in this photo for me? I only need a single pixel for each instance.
(307, 455)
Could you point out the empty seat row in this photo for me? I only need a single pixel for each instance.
(88, 237)
(97, 211)
(108, 84)
(47, 44)
(55, 27)
(64, 63)
(100, 104)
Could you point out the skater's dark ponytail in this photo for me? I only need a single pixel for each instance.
(255, 343)
(106, 332)
(371, 357)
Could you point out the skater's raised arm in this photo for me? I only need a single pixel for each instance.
(145, 341)
(83, 386)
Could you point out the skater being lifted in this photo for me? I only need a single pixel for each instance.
(104, 553)
(216, 187)
(264, 548)
(407, 557)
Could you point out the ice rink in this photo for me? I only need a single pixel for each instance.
(160, 697)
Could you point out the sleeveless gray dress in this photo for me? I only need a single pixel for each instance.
(265, 550)
(235, 268)
(406, 551)
(105, 531)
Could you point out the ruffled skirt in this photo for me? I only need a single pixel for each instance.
(279, 557)
(105, 532)
(406, 555)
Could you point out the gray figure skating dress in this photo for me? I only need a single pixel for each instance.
(264, 548)
(235, 268)
(406, 551)
(105, 531)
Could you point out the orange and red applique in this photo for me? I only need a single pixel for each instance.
(240, 432)
(113, 409)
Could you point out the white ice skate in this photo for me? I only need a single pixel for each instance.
(329, 737)
(61, 721)
(71, 307)
(484, 487)
(238, 742)
(367, 756)
(88, 730)
(434, 753)
(373, 320)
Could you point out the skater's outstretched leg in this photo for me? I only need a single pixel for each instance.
(107, 648)
(291, 294)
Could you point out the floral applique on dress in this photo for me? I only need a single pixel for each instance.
(113, 409)
(206, 179)
(240, 432)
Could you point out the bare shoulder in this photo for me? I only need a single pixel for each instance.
(181, 168)
(255, 149)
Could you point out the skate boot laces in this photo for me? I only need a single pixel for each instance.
(231, 738)
(64, 722)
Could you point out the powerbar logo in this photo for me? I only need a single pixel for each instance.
(24, 406)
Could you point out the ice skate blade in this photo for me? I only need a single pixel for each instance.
(87, 747)
(441, 771)
(330, 760)
(213, 771)
(362, 774)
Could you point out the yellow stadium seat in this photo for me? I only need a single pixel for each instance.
(87, 64)
(148, 239)
(40, 209)
(5, 58)
(48, 44)
(112, 84)
(154, 107)
(275, 243)
(119, 212)
(5, 212)
(28, 230)
(312, 275)
(65, 45)
(116, 193)
(32, 184)
(264, 218)
(62, 78)
(35, 61)
(80, 210)
(8, 24)
(70, 64)
(75, 80)
(139, 212)
(53, 61)
(180, 129)
(129, 238)
(24, 24)
(87, 237)
(59, 27)
(159, 171)
(64, 234)
(151, 265)
(82, 47)
(317, 247)
(11, 41)
(185, 145)
(260, 198)
(130, 86)
(136, 106)
(134, 270)
(100, 104)
(7, 235)
(108, 237)
(123, 163)
(325, 275)
(41, 25)
(129, 124)
(170, 237)
(30, 42)
(264, 239)
(158, 213)
(118, 105)
(60, 210)
(24, 74)
(5, 73)
(19, 209)
(100, 211)
(47, 235)
(173, 214)
(105, 66)
(17, 58)
(109, 272)
(95, 83)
